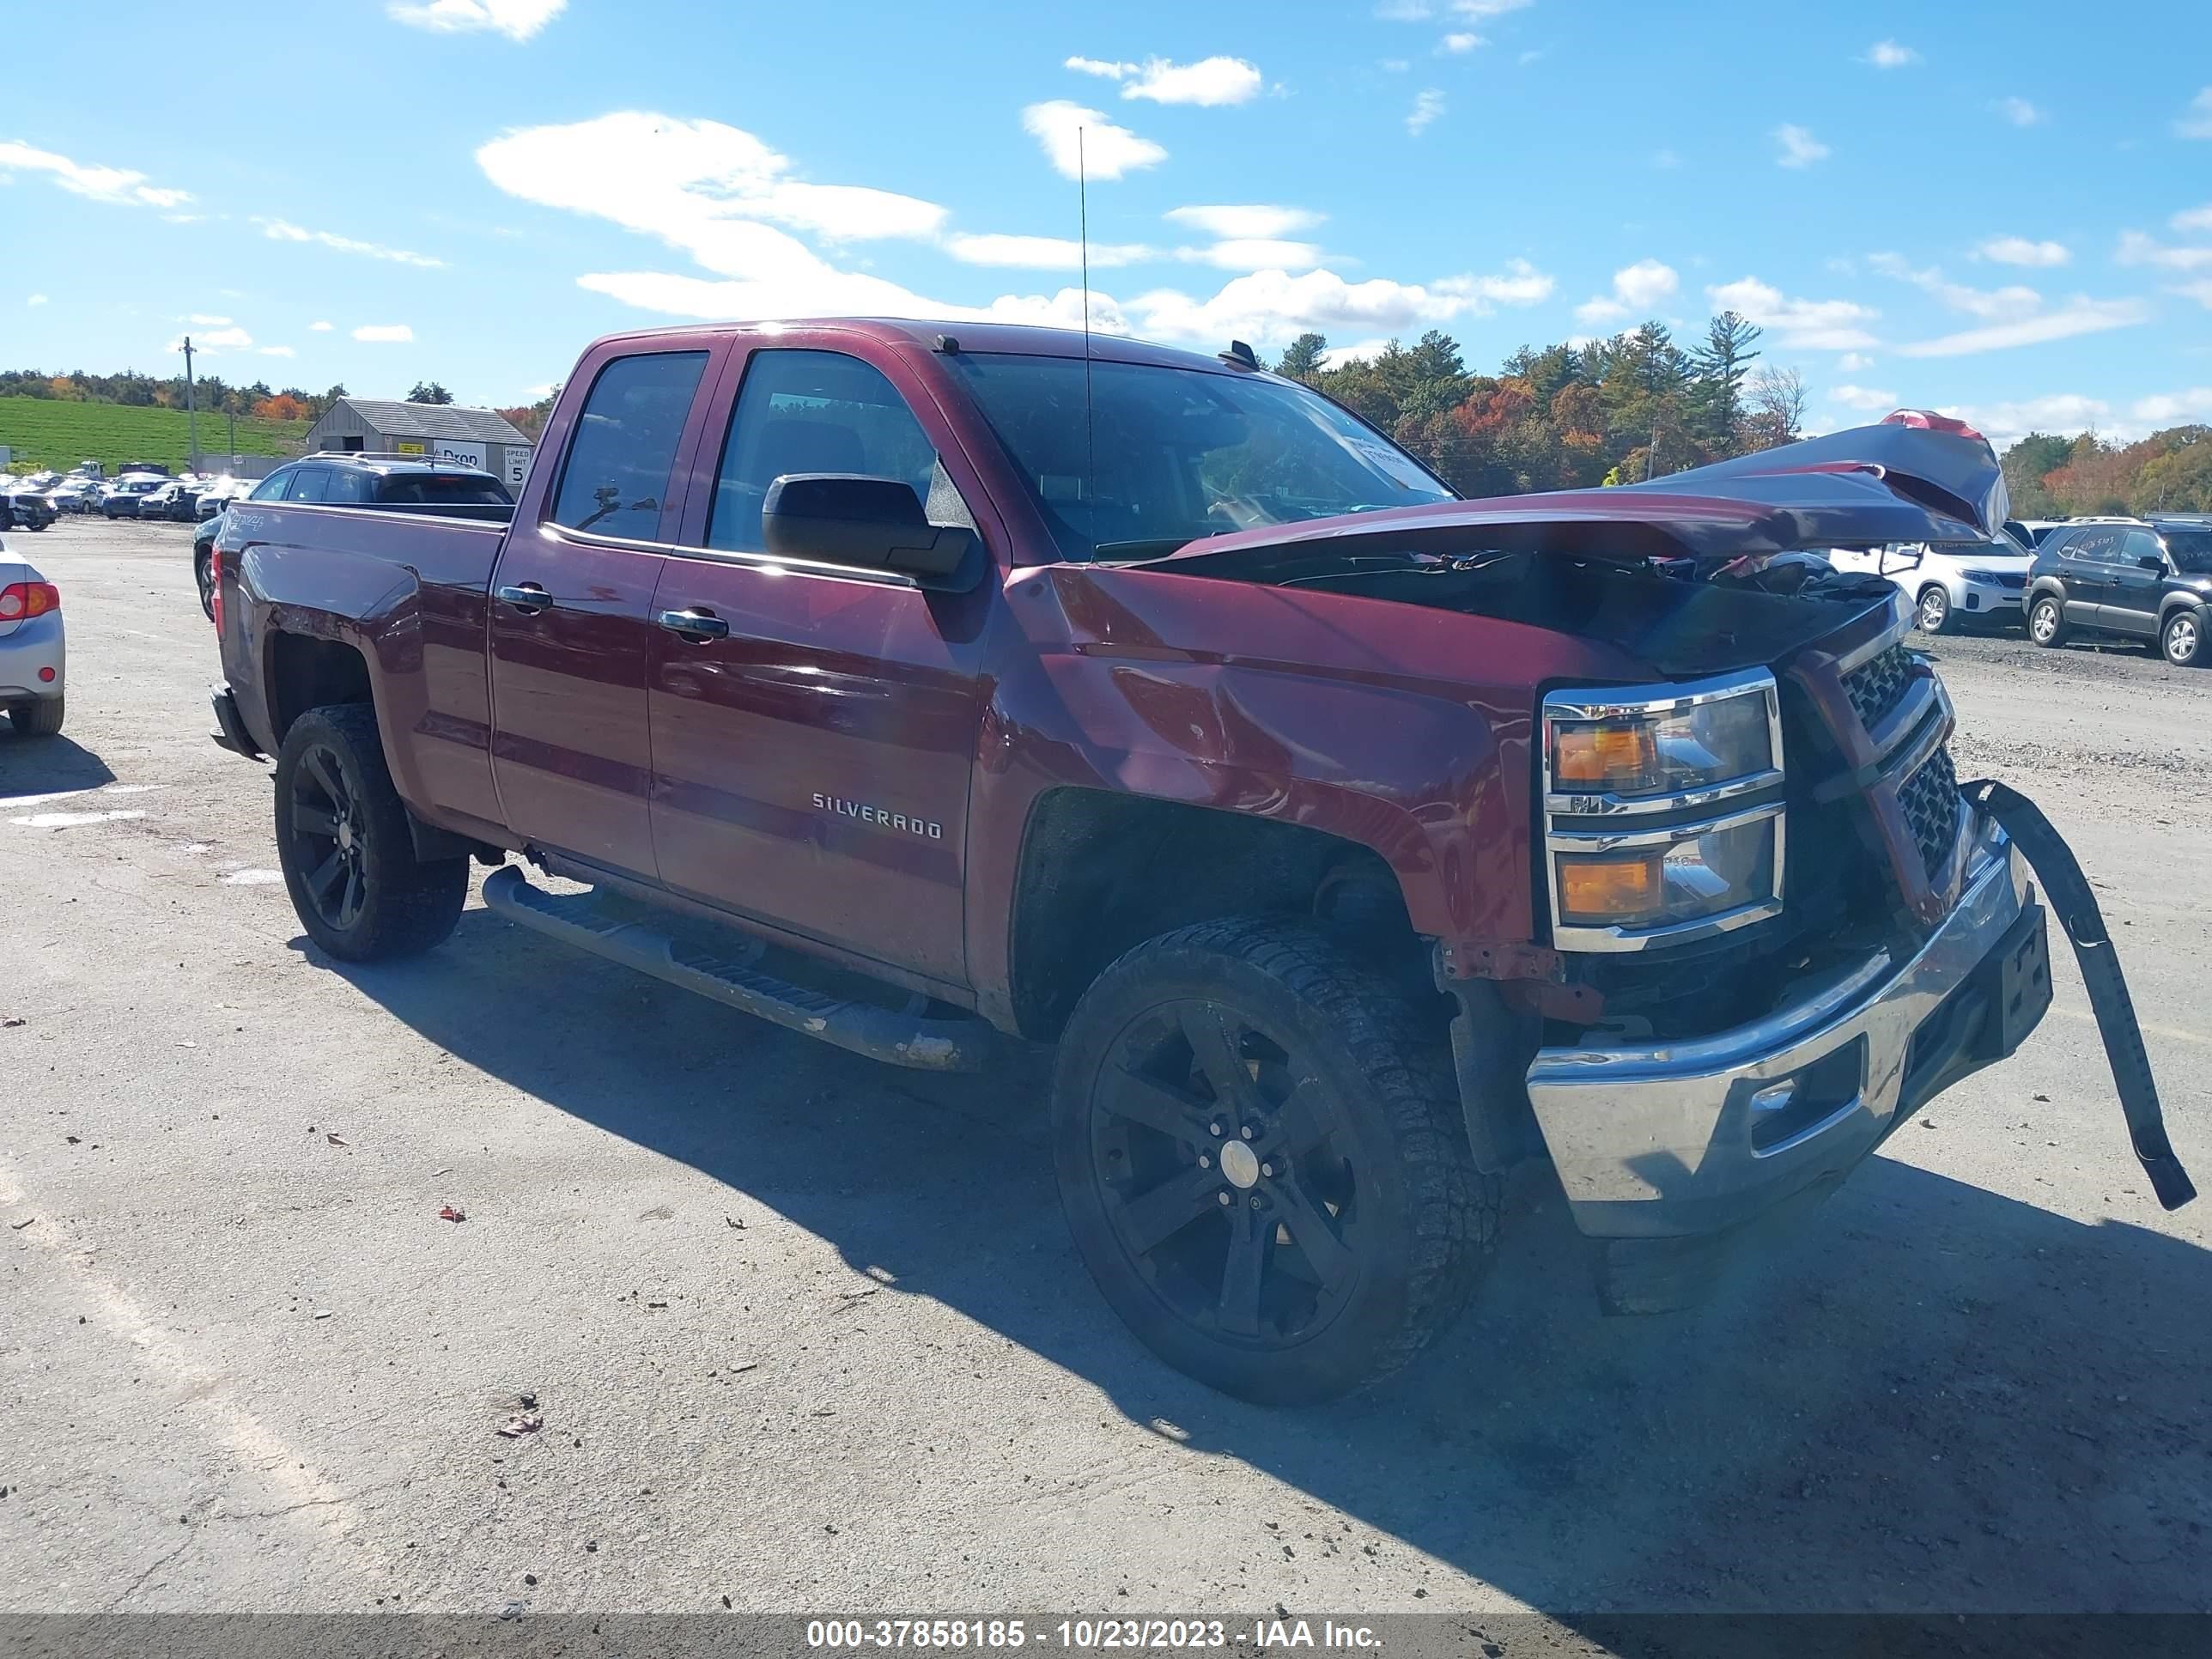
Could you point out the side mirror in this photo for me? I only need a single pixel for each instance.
(872, 524)
(2150, 562)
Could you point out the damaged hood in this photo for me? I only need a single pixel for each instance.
(1915, 477)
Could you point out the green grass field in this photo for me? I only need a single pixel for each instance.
(44, 433)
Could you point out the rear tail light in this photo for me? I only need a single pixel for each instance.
(214, 584)
(20, 601)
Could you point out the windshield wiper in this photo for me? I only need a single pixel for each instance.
(1148, 547)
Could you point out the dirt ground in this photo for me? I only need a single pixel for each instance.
(808, 1334)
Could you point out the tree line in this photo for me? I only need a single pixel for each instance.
(2170, 472)
(1610, 411)
(211, 393)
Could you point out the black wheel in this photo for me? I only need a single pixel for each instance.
(1262, 1158)
(342, 842)
(2181, 642)
(41, 717)
(1934, 610)
(2046, 622)
(203, 573)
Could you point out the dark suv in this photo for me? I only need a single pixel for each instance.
(392, 483)
(2152, 581)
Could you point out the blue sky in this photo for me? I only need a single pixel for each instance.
(2001, 211)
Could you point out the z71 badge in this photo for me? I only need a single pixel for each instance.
(927, 829)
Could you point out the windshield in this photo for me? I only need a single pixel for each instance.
(1981, 552)
(2191, 550)
(1175, 454)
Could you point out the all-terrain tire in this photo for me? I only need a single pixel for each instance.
(39, 718)
(1386, 1194)
(388, 901)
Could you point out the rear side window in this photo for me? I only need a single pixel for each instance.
(812, 411)
(2099, 544)
(445, 489)
(623, 451)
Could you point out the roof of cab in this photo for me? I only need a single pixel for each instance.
(1015, 339)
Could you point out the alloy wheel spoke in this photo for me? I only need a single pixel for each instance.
(319, 880)
(1311, 1230)
(1158, 1105)
(314, 820)
(319, 770)
(1250, 1244)
(1150, 1220)
(1215, 1044)
(351, 908)
(1303, 1120)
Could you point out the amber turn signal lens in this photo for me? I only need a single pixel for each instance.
(1609, 890)
(1623, 757)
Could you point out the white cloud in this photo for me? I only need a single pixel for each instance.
(2194, 405)
(36, 300)
(275, 351)
(1428, 105)
(1251, 220)
(1461, 42)
(1863, 398)
(518, 19)
(202, 319)
(280, 230)
(2200, 292)
(1209, 81)
(1799, 325)
(2192, 219)
(1044, 253)
(2198, 122)
(2138, 249)
(384, 333)
(2078, 316)
(1641, 287)
(210, 341)
(2018, 111)
(699, 185)
(1254, 253)
(318, 328)
(1887, 54)
(1995, 304)
(1488, 8)
(2021, 251)
(1074, 138)
(1799, 148)
(1852, 362)
(1275, 306)
(2063, 412)
(1359, 351)
(120, 186)
(1402, 11)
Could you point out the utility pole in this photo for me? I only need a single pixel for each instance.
(191, 415)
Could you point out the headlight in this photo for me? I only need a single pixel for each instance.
(1988, 577)
(1662, 811)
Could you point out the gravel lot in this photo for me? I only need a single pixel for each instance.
(807, 1333)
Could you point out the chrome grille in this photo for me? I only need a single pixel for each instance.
(1930, 799)
(1876, 686)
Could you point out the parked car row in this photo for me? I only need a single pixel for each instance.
(2148, 579)
(141, 490)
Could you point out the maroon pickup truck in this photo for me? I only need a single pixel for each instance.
(918, 687)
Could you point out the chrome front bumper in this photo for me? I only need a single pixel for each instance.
(1696, 1137)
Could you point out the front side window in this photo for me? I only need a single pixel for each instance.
(1145, 458)
(345, 485)
(811, 411)
(622, 453)
(2141, 549)
(309, 485)
(275, 487)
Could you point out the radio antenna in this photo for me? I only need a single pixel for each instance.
(1090, 423)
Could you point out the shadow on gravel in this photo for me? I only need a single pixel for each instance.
(1929, 1397)
(47, 766)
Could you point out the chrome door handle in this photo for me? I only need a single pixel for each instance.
(697, 626)
(528, 597)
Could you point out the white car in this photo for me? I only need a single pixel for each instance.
(33, 649)
(1951, 583)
